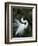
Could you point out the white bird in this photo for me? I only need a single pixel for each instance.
(21, 26)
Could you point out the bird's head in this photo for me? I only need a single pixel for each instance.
(24, 21)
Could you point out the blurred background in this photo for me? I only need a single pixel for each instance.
(19, 12)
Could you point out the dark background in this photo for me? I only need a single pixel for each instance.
(18, 12)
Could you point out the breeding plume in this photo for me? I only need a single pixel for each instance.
(21, 26)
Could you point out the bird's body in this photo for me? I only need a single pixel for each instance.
(20, 29)
(21, 26)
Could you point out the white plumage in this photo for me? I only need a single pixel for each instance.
(21, 26)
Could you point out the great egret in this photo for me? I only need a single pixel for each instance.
(21, 26)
